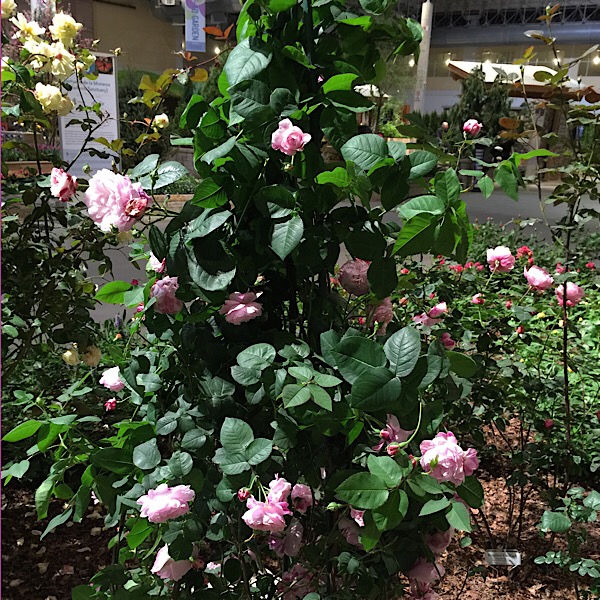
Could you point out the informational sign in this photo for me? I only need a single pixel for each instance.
(89, 92)
(195, 21)
(511, 558)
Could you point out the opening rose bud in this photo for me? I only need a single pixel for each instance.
(243, 494)
(548, 423)
(392, 449)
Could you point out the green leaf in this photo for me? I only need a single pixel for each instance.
(390, 515)
(432, 506)
(421, 163)
(462, 364)
(338, 177)
(236, 435)
(383, 277)
(56, 521)
(363, 490)
(417, 235)
(139, 533)
(556, 522)
(325, 380)
(42, 497)
(320, 397)
(421, 204)
(206, 223)
(167, 173)
(365, 150)
(592, 500)
(113, 459)
(286, 236)
(447, 187)
(193, 439)
(209, 194)
(486, 185)
(471, 491)
(386, 468)
(402, 350)
(258, 451)
(397, 150)
(231, 463)
(355, 354)
(194, 110)
(458, 517)
(180, 464)
(146, 166)
(295, 395)
(506, 179)
(17, 469)
(344, 81)
(518, 158)
(249, 58)
(245, 376)
(146, 456)
(257, 356)
(83, 592)
(350, 100)
(376, 7)
(375, 389)
(113, 292)
(219, 152)
(22, 431)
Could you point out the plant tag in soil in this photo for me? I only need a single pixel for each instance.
(503, 557)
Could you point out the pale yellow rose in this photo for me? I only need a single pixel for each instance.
(92, 356)
(62, 64)
(41, 53)
(64, 28)
(8, 8)
(65, 106)
(71, 357)
(26, 29)
(160, 121)
(49, 96)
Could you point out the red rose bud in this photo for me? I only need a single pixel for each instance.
(243, 494)
(134, 282)
(508, 304)
(392, 449)
(385, 435)
(413, 460)
(520, 329)
(404, 271)
(548, 423)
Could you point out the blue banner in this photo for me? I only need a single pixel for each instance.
(195, 21)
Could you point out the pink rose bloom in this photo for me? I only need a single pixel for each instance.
(62, 185)
(353, 277)
(155, 264)
(500, 259)
(538, 278)
(524, 252)
(240, 308)
(392, 432)
(438, 310)
(291, 542)
(167, 568)
(302, 497)
(453, 463)
(437, 542)
(590, 265)
(295, 583)
(114, 201)
(110, 404)
(426, 572)
(350, 531)
(164, 292)
(166, 503)
(574, 294)
(383, 314)
(279, 490)
(424, 593)
(265, 516)
(425, 319)
(478, 299)
(508, 304)
(472, 127)
(358, 516)
(447, 341)
(288, 138)
(110, 379)
(560, 268)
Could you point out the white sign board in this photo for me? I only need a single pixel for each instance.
(88, 92)
(195, 21)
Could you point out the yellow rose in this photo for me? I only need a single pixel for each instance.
(8, 8)
(25, 29)
(49, 96)
(62, 64)
(160, 121)
(65, 106)
(64, 28)
(71, 357)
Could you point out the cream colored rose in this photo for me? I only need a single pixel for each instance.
(160, 121)
(71, 357)
(65, 106)
(8, 8)
(62, 64)
(25, 29)
(49, 96)
(92, 356)
(64, 28)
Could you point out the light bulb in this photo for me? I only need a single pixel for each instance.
(596, 60)
(411, 62)
(217, 50)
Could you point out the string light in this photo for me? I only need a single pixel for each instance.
(411, 62)
(596, 60)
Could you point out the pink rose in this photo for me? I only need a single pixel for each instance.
(574, 293)
(472, 127)
(291, 542)
(353, 277)
(302, 497)
(590, 265)
(155, 264)
(62, 185)
(279, 490)
(392, 449)
(392, 432)
(447, 341)
(538, 278)
(548, 423)
(453, 463)
(288, 138)
(426, 572)
(167, 568)
(524, 252)
(383, 314)
(508, 304)
(164, 292)
(560, 268)
(240, 308)
(265, 516)
(166, 503)
(424, 593)
(110, 404)
(295, 583)
(350, 531)
(110, 379)
(500, 259)
(438, 310)
(426, 320)
(114, 201)
(437, 542)
(358, 516)
(478, 299)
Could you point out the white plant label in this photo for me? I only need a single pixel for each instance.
(503, 557)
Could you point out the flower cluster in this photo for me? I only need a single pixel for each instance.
(445, 460)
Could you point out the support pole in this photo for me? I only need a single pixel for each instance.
(422, 65)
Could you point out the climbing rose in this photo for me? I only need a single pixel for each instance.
(472, 127)
(574, 293)
(111, 404)
(447, 341)
(353, 277)
(302, 497)
(288, 138)
(538, 278)
(500, 259)
(167, 568)
(155, 264)
(8, 8)
(548, 423)
(383, 313)
(164, 291)
(62, 185)
(240, 308)
(392, 432)
(524, 252)
(425, 319)
(114, 201)
(265, 516)
(453, 463)
(590, 265)
(166, 503)
(425, 572)
(49, 96)
(160, 121)
(71, 356)
(279, 490)
(110, 379)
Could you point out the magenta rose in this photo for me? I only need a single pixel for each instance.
(353, 277)
(452, 463)
(166, 503)
(114, 201)
(500, 259)
(110, 379)
(425, 319)
(478, 299)
(438, 310)
(472, 127)
(164, 291)
(302, 497)
(62, 185)
(358, 516)
(538, 278)
(167, 568)
(288, 138)
(240, 308)
(575, 293)
(290, 543)
(265, 516)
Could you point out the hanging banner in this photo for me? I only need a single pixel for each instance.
(195, 21)
(88, 92)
